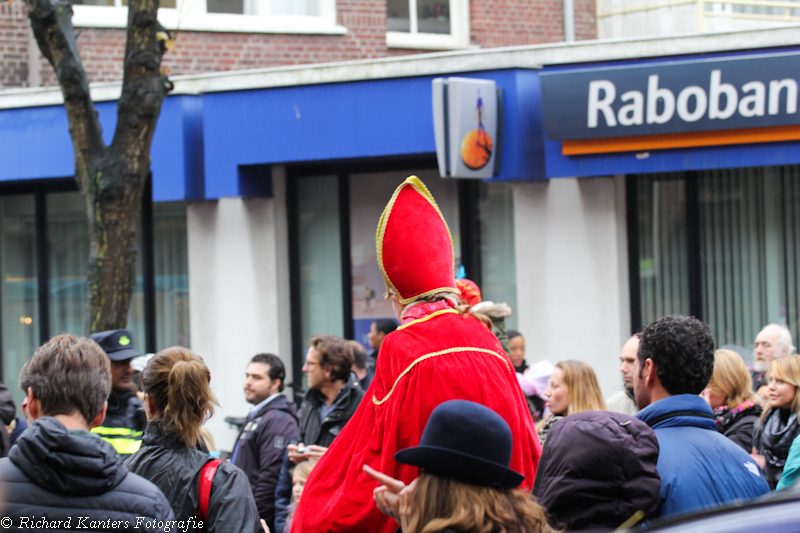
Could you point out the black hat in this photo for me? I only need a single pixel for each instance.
(465, 441)
(117, 343)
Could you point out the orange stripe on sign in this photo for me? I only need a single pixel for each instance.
(680, 140)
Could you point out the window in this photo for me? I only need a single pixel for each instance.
(722, 245)
(427, 24)
(44, 252)
(251, 16)
(497, 246)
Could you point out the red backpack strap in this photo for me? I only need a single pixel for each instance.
(204, 493)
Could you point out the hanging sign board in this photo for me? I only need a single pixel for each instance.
(467, 121)
(675, 104)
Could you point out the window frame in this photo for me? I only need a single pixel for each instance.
(40, 189)
(457, 39)
(191, 15)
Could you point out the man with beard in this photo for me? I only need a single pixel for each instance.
(772, 342)
(700, 468)
(271, 424)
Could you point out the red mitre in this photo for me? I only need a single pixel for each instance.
(470, 292)
(415, 251)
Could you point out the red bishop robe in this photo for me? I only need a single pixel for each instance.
(442, 356)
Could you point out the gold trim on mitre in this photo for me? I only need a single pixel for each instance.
(420, 187)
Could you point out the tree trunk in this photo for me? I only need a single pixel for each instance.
(110, 178)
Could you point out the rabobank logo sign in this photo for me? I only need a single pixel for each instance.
(668, 99)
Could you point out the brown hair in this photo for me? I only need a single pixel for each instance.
(359, 354)
(787, 369)
(731, 378)
(582, 387)
(334, 354)
(440, 503)
(178, 382)
(68, 374)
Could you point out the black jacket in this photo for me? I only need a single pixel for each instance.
(124, 423)
(262, 443)
(76, 477)
(125, 410)
(322, 432)
(175, 469)
(597, 469)
(739, 427)
(315, 431)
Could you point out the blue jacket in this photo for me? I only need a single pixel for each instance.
(699, 467)
(791, 471)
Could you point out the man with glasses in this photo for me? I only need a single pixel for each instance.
(125, 419)
(333, 396)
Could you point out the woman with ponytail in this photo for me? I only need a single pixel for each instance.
(178, 400)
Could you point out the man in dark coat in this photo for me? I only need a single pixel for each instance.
(334, 395)
(61, 477)
(699, 467)
(125, 420)
(271, 424)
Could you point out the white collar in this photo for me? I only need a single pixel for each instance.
(255, 408)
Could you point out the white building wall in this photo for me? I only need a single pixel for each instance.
(572, 273)
(239, 292)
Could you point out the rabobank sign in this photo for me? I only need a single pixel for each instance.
(744, 92)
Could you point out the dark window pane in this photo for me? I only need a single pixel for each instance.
(19, 291)
(433, 16)
(663, 252)
(172, 274)
(498, 256)
(225, 6)
(748, 239)
(397, 15)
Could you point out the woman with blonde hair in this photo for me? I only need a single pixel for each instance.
(465, 483)
(573, 389)
(778, 426)
(178, 400)
(730, 395)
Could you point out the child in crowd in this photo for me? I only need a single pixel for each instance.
(299, 477)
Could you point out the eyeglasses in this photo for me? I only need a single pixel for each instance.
(310, 364)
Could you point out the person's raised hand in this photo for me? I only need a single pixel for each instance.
(386, 496)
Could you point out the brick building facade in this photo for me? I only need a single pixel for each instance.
(492, 23)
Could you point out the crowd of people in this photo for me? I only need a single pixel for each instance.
(443, 427)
